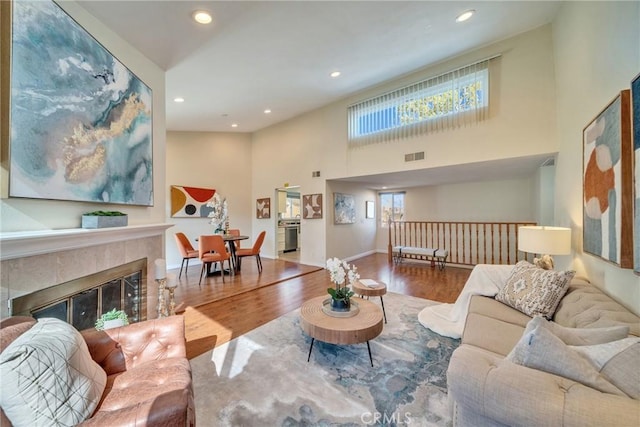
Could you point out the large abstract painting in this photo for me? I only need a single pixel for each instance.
(191, 202)
(81, 122)
(607, 201)
(344, 208)
(635, 104)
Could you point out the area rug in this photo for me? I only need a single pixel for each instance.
(263, 378)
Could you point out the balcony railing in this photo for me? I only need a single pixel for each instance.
(468, 243)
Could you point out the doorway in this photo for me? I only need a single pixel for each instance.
(288, 201)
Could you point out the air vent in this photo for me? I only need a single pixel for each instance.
(315, 174)
(414, 156)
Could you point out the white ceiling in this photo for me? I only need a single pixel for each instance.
(278, 54)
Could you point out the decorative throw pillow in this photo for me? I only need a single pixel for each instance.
(49, 377)
(618, 362)
(623, 371)
(535, 291)
(540, 349)
(580, 336)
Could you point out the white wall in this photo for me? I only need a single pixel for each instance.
(522, 112)
(221, 161)
(543, 195)
(32, 214)
(597, 53)
(522, 123)
(351, 240)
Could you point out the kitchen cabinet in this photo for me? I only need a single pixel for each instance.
(282, 202)
(280, 239)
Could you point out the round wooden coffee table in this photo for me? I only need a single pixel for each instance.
(362, 327)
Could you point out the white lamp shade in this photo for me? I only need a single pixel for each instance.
(544, 240)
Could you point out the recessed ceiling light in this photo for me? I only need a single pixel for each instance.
(267, 111)
(465, 15)
(202, 17)
(178, 99)
(335, 74)
(234, 125)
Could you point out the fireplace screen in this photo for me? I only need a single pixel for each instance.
(80, 302)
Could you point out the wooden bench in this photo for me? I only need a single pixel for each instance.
(435, 255)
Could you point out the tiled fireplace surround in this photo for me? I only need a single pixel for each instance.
(31, 261)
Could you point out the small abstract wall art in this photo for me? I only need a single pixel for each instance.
(607, 182)
(312, 206)
(263, 208)
(190, 202)
(635, 108)
(370, 209)
(81, 121)
(344, 208)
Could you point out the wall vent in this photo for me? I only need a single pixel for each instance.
(414, 156)
(315, 174)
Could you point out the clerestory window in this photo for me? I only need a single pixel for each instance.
(446, 101)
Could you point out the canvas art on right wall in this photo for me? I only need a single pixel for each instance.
(635, 108)
(607, 184)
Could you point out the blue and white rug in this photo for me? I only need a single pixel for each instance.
(263, 379)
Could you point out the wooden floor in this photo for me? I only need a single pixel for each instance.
(217, 312)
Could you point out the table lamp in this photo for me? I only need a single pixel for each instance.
(545, 241)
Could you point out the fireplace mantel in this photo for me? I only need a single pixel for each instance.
(20, 244)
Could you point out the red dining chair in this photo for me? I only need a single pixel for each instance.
(254, 251)
(212, 249)
(186, 250)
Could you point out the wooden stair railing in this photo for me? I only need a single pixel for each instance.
(468, 243)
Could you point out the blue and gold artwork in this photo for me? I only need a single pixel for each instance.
(81, 122)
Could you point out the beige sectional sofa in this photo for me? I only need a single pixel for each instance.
(487, 389)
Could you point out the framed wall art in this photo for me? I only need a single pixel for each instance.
(190, 202)
(607, 184)
(263, 208)
(81, 121)
(635, 114)
(312, 206)
(344, 208)
(369, 209)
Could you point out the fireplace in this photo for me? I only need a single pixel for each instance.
(81, 301)
(36, 261)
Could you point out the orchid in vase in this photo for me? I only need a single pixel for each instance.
(343, 276)
(219, 214)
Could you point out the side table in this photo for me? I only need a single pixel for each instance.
(371, 288)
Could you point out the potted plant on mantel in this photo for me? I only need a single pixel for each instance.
(112, 319)
(343, 275)
(104, 219)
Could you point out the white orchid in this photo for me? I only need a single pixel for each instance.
(342, 272)
(218, 214)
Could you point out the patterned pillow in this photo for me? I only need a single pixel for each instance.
(49, 377)
(535, 291)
